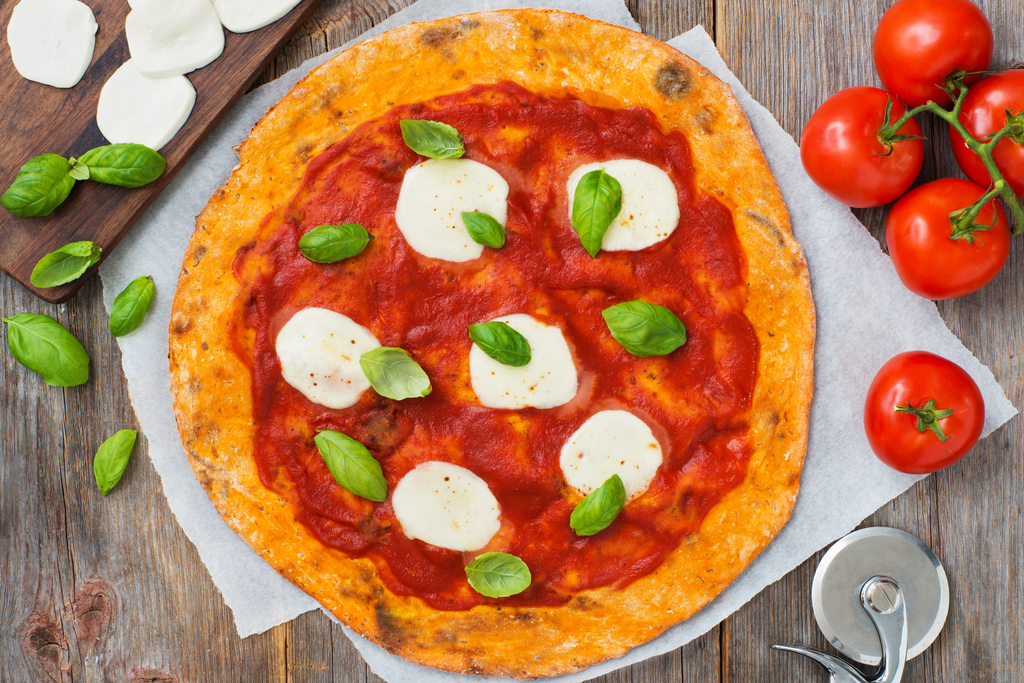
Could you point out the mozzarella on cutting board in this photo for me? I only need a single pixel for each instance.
(242, 16)
(611, 442)
(173, 37)
(447, 506)
(431, 201)
(143, 110)
(52, 41)
(548, 380)
(319, 352)
(650, 203)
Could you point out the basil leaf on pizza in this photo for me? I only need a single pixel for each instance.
(112, 458)
(42, 345)
(600, 508)
(645, 329)
(484, 229)
(432, 139)
(124, 164)
(42, 184)
(501, 342)
(598, 200)
(64, 265)
(352, 465)
(333, 243)
(498, 575)
(130, 306)
(393, 373)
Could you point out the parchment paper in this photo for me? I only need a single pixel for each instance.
(865, 316)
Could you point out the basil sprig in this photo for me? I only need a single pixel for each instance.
(600, 508)
(394, 374)
(124, 164)
(352, 465)
(332, 243)
(502, 343)
(645, 329)
(432, 139)
(40, 344)
(64, 265)
(484, 229)
(112, 459)
(130, 306)
(498, 575)
(42, 184)
(596, 203)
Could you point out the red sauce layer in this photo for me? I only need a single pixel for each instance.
(695, 399)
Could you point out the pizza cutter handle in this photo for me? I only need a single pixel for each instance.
(839, 671)
(883, 600)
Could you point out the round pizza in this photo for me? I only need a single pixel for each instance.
(497, 342)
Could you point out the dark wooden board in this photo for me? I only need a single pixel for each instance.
(39, 118)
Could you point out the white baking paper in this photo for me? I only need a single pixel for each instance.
(865, 316)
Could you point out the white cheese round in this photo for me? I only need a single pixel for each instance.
(242, 16)
(173, 37)
(650, 203)
(548, 380)
(319, 352)
(144, 110)
(611, 442)
(447, 506)
(52, 41)
(433, 196)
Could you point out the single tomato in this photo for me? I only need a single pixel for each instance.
(983, 113)
(922, 412)
(928, 261)
(918, 43)
(844, 155)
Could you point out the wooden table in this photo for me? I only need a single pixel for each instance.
(109, 589)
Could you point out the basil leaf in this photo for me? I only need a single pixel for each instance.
(498, 575)
(124, 164)
(112, 459)
(596, 203)
(332, 243)
(502, 343)
(600, 508)
(484, 229)
(352, 465)
(394, 374)
(40, 344)
(41, 185)
(645, 329)
(130, 306)
(64, 265)
(78, 170)
(432, 139)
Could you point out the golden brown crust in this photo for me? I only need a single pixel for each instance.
(548, 52)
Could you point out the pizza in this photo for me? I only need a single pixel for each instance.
(414, 475)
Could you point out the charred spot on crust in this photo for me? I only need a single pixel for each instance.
(673, 81)
(198, 255)
(181, 326)
(767, 222)
(439, 36)
(706, 118)
(536, 33)
(391, 632)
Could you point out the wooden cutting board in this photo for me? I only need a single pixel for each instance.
(38, 118)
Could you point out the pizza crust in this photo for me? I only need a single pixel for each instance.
(552, 53)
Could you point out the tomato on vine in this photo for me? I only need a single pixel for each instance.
(983, 113)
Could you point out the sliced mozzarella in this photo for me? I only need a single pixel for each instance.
(447, 506)
(433, 196)
(548, 380)
(144, 110)
(52, 40)
(173, 37)
(611, 442)
(650, 203)
(319, 352)
(242, 16)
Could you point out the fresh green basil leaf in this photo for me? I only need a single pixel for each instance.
(41, 185)
(600, 508)
(78, 171)
(64, 265)
(130, 306)
(124, 164)
(40, 344)
(352, 465)
(645, 329)
(484, 229)
(394, 374)
(596, 203)
(498, 575)
(432, 139)
(502, 343)
(112, 459)
(332, 243)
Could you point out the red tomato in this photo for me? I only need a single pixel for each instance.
(920, 42)
(843, 155)
(928, 262)
(984, 112)
(918, 378)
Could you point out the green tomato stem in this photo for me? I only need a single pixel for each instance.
(927, 417)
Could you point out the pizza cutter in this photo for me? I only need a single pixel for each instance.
(881, 597)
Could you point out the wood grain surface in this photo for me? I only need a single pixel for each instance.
(109, 589)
